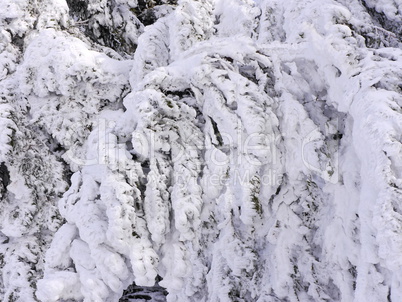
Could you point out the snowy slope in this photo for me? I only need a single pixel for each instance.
(207, 150)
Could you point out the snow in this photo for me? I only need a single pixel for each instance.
(207, 150)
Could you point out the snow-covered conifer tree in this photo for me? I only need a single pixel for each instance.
(209, 150)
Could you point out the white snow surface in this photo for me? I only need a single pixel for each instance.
(245, 151)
